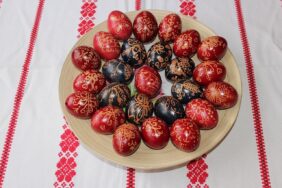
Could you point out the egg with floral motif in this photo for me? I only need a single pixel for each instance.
(126, 139)
(139, 108)
(145, 26)
(82, 104)
(107, 119)
(202, 112)
(90, 80)
(212, 48)
(155, 133)
(106, 45)
(119, 25)
(159, 56)
(86, 58)
(169, 28)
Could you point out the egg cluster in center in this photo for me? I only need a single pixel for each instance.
(102, 93)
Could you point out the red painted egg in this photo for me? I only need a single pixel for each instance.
(212, 48)
(203, 113)
(186, 44)
(145, 27)
(148, 81)
(106, 45)
(209, 71)
(155, 133)
(119, 25)
(107, 119)
(185, 135)
(126, 139)
(82, 104)
(86, 58)
(221, 94)
(170, 27)
(90, 80)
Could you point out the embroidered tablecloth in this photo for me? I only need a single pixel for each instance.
(39, 150)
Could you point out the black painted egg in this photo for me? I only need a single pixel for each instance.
(114, 94)
(133, 52)
(159, 56)
(138, 109)
(186, 90)
(179, 69)
(118, 71)
(169, 109)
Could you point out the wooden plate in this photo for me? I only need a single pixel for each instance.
(145, 158)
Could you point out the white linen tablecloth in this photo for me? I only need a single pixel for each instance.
(38, 149)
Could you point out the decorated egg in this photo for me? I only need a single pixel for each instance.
(86, 58)
(155, 133)
(212, 48)
(107, 119)
(82, 104)
(139, 108)
(169, 109)
(186, 90)
(118, 71)
(133, 52)
(179, 69)
(90, 80)
(209, 71)
(145, 27)
(126, 139)
(106, 45)
(159, 56)
(202, 113)
(186, 44)
(119, 25)
(221, 94)
(115, 94)
(185, 135)
(148, 81)
(170, 27)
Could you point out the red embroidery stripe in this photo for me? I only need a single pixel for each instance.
(130, 178)
(130, 182)
(19, 95)
(69, 143)
(264, 172)
(137, 4)
(197, 169)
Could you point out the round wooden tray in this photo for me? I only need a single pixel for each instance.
(145, 158)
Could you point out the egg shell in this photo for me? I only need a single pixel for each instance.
(209, 71)
(186, 90)
(115, 94)
(145, 27)
(148, 81)
(169, 28)
(202, 112)
(119, 25)
(106, 45)
(159, 56)
(90, 80)
(139, 108)
(168, 109)
(86, 58)
(155, 133)
(186, 44)
(212, 48)
(118, 71)
(133, 52)
(179, 69)
(126, 139)
(82, 104)
(185, 135)
(221, 94)
(107, 119)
